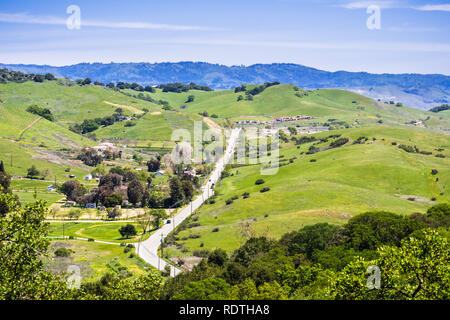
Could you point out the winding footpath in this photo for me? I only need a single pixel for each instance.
(28, 127)
(148, 249)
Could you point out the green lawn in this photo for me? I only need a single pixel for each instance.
(27, 197)
(102, 231)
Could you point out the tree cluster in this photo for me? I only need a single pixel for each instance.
(20, 77)
(440, 108)
(109, 191)
(90, 157)
(179, 87)
(89, 125)
(325, 261)
(42, 112)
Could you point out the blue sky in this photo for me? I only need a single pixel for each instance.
(326, 34)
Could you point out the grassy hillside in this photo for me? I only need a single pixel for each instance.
(281, 100)
(154, 126)
(331, 185)
(342, 182)
(27, 139)
(23, 156)
(72, 104)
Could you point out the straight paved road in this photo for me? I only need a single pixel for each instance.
(148, 249)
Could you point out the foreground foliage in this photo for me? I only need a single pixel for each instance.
(23, 244)
(321, 261)
(324, 261)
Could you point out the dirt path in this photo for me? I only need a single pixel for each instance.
(214, 126)
(28, 127)
(130, 108)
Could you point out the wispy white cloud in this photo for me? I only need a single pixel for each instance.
(434, 7)
(51, 20)
(391, 4)
(26, 18)
(365, 4)
(412, 29)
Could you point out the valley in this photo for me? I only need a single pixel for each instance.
(341, 155)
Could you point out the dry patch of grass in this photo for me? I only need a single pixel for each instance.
(130, 108)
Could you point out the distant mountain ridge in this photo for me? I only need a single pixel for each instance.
(416, 90)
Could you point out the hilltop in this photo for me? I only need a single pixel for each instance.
(415, 90)
(325, 105)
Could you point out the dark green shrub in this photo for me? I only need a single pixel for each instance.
(63, 252)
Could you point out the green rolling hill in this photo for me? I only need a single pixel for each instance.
(326, 188)
(27, 139)
(281, 100)
(70, 104)
(340, 183)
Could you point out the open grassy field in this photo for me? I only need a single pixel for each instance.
(151, 127)
(28, 196)
(94, 259)
(102, 231)
(24, 156)
(342, 182)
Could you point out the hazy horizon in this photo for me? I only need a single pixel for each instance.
(412, 35)
(222, 64)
